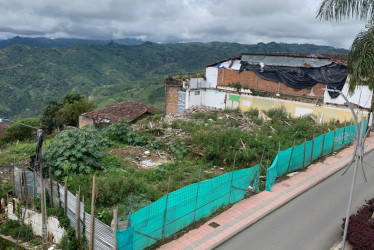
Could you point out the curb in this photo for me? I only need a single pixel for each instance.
(370, 147)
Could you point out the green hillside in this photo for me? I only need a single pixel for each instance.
(31, 76)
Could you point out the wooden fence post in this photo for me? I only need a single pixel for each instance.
(92, 219)
(304, 154)
(25, 182)
(65, 198)
(333, 142)
(289, 162)
(311, 158)
(323, 144)
(115, 219)
(77, 213)
(50, 187)
(20, 186)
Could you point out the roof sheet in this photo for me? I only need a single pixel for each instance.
(336, 58)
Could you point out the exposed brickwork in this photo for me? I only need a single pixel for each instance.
(172, 99)
(249, 79)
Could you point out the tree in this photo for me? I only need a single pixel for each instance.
(69, 113)
(48, 117)
(18, 131)
(70, 98)
(361, 55)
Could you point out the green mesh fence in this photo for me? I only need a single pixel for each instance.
(301, 156)
(182, 207)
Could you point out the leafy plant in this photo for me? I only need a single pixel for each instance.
(122, 132)
(361, 227)
(20, 132)
(76, 151)
(179, 149)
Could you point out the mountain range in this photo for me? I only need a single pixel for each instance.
(47, 69)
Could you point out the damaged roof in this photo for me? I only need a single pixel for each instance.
(121, 111)
(339, 59)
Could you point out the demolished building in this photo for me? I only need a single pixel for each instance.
(299, 83)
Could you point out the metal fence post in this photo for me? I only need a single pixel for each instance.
(289, 162)
(166, 211)
(197, 195)
(232, 178)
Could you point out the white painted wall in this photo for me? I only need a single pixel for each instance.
(194, 98)
(300, 112)
(34, 219)
(235, 65)
(211, 75)
(213, 98)
(362, 96)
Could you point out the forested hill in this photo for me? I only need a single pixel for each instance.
(31, 76)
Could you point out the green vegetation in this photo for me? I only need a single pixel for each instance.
(30, 77)
(210, 141)
(12, 227)
(20, 131)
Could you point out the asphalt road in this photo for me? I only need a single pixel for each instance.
(312, 220)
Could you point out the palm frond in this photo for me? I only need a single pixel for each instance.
(361, 59)
(336, 10)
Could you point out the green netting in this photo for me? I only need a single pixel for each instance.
(317, 148)
(182, 207)
(283, 160)
(339, 138)
(297, 158)
(329, 141)
(272, 174)
(303, 155)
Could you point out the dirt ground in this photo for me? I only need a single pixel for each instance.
(141, 157)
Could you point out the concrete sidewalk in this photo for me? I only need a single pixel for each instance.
(248, 211)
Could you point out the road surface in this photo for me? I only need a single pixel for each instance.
(312, 220)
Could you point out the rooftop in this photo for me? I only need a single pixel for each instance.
(335, 58)
(121, 111)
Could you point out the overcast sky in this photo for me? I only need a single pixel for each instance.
(242, 21)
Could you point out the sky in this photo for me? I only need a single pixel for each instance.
(241, 21)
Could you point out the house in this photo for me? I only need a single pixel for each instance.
(131, 111)
(299, 83)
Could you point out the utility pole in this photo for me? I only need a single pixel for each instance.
(39, 154)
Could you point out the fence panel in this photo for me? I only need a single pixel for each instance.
(180, 208)
(104, 237)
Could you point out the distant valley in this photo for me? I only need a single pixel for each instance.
(44, 70)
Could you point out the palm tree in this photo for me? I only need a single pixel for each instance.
(361, 55)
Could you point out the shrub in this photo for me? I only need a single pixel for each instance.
(20, 132)
(122, 132)
(361, 227)
(76, 151)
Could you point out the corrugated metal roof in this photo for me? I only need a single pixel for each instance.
(336, 58)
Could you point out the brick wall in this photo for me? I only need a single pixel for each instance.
(171, 99)
(248, 79)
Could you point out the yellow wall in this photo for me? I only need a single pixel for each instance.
(296, 108)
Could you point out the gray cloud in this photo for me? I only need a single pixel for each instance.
(242, 21)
